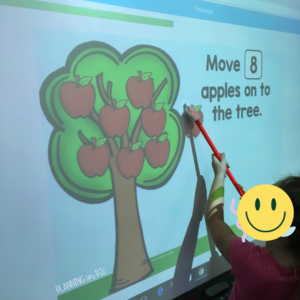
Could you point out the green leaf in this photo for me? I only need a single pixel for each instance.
(162, 137)
(136, 146)
(198, 107)
(101, 142)
(85, 81)
(121, 103)
(146, 76)
(159, 106)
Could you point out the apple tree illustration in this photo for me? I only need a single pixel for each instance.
(115, 130)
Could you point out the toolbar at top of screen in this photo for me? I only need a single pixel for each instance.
(257, 14)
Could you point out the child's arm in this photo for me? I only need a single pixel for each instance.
(220, 231)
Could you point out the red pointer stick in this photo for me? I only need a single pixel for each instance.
(217, 154)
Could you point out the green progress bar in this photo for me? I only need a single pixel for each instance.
(87, 12)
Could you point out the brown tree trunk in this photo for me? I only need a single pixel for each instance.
(132, 263)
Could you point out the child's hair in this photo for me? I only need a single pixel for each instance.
(291, 185)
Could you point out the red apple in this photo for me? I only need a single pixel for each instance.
(140, 90)
(130, 162)
(157, 153)
(153, 121)
(77, 100)
(93, 160)
(190, 126)
(114, 121)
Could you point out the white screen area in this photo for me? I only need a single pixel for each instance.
(98, 176)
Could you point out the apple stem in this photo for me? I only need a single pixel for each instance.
(114, 103)
(77, 80)
(130, 146)
(93, 142)
(140, 74)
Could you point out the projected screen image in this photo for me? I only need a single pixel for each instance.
(103, 181)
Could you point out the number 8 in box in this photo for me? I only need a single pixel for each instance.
(253, 64)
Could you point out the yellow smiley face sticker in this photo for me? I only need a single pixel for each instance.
(265, 212)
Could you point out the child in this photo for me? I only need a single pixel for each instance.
(261, 273)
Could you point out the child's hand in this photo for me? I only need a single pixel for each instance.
(244, 190)
(192, 114)
(219, 167)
